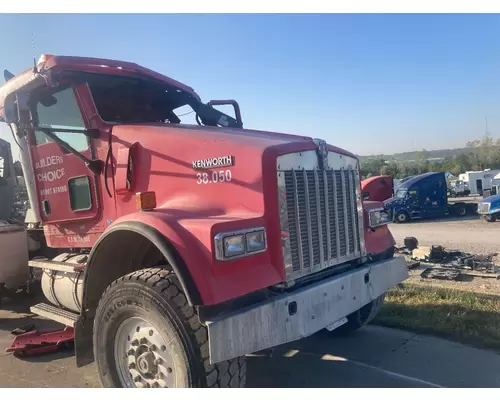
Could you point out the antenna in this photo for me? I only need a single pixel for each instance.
(35, 69)
(486, 126)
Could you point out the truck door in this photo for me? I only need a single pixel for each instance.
(434, 198)
(413, 202)
(66, 187)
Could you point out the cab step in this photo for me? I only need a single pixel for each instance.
(54, 313)
(56, 265)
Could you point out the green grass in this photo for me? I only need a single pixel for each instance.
(467, 317)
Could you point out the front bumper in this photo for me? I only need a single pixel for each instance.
(299, 314)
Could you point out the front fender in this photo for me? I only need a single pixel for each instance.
(187, 256)
(190, 237)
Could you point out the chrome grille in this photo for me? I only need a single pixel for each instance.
(322, 218)
(483, 208)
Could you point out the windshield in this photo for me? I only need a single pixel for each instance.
(401, 194)
(121, 99)
(125, 99)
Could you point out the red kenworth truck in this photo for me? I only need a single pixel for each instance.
(377, 188)
(174, 250)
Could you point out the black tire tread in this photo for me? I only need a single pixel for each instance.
(227, 374)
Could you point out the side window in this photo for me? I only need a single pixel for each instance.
(61, 112)
(79, 193)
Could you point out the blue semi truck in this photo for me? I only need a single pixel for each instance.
(489, 208)
(425, 196)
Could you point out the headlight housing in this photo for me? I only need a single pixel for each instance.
(379, 217)
(242, 243)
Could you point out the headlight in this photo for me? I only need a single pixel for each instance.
(379, 217)
(230, 245)
(234, 246)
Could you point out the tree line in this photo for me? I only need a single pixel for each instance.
(481, 154)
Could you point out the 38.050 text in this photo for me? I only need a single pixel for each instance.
(214, 177)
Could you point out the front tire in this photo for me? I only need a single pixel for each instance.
(490, 218)
(402, 217)
(147, 335)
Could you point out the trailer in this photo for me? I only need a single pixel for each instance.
(478, 181)
(425, 196)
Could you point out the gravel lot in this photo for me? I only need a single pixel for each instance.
(469, 234)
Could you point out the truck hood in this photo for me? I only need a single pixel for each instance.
(222, 171)
(393, 202)
(246, 137)
(491, 199)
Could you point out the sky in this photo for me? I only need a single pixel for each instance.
(371, 84)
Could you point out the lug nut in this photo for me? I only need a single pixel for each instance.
(163, 348)
(135, 342)
(158, 361)
(169, 370)
(143, 340)
(151, 332)
(131, 366)
(152, 348)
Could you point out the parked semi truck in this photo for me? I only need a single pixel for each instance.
(425, 196)
(174, 250)
(377, 188)
(489, 208)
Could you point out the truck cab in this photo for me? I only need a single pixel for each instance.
(423, 196)
(489, 208)
(174, 249)
(377, 188)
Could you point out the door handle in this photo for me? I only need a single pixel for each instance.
(46, 207)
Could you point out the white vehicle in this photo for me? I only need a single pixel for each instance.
(458, 188)
(478, 181)
(495, 184)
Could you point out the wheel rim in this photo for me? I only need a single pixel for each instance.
(401, 217)
(142, 356)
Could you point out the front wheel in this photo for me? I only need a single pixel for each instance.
(490, 218)
(147, 335)
(402, 217)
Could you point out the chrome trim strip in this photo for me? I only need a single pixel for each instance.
(308, 223)
(322, 263)
(327, 212)
(297, 222)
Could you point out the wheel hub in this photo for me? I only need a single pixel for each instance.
(146, 364)
(143, 356)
